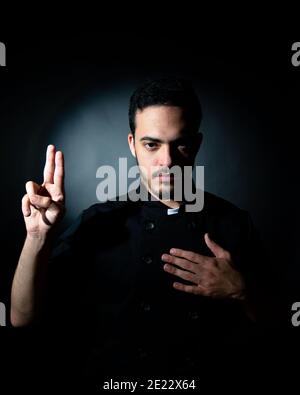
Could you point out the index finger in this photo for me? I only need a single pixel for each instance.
(189, 255)
(49, 165)
(59, 172)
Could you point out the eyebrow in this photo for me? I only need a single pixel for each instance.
(155, 140)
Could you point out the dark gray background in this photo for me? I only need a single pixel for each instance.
(72, 90)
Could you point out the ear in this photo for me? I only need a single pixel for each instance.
(131, 143)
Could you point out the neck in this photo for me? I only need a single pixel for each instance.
(169, 203)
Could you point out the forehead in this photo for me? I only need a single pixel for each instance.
(164, 122)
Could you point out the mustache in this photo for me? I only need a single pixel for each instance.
(164, 171)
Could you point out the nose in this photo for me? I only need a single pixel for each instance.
(165, 157)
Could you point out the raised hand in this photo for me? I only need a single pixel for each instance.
(43, 205)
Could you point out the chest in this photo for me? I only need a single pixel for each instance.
(128, 265)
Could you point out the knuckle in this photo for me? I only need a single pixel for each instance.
(60, 198)
(55, 214)
(227, 255)
(205, 282)
(203, 289)
(188, 265)
(189, 276)
(194, 290)
(33, 199)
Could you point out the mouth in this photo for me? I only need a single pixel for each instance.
(166, 177)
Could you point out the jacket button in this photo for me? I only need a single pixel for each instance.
(194, 315)
(190, 362)
(147, 259)
(142, 353)
(192, 225)
(145, 307)
(149, 225)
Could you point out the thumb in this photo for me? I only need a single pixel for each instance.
(217, 250)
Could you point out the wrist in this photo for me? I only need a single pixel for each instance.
(239, 289)
(36, 241)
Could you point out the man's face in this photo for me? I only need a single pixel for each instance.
(162, 140)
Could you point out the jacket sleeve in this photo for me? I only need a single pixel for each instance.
(65, 277)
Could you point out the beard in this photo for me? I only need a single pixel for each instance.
(168, 188)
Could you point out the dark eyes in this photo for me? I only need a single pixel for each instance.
(153, 146)
(150, 146)
(183, 147)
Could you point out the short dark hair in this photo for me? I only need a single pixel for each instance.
(170, 91)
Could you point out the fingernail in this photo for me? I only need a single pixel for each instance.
(172, 251)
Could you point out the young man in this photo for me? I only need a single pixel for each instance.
(149, 283)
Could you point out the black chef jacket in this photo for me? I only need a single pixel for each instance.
(107, 285)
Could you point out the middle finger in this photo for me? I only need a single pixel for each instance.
(183, 263)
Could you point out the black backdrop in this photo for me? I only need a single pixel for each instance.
(73, 91)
